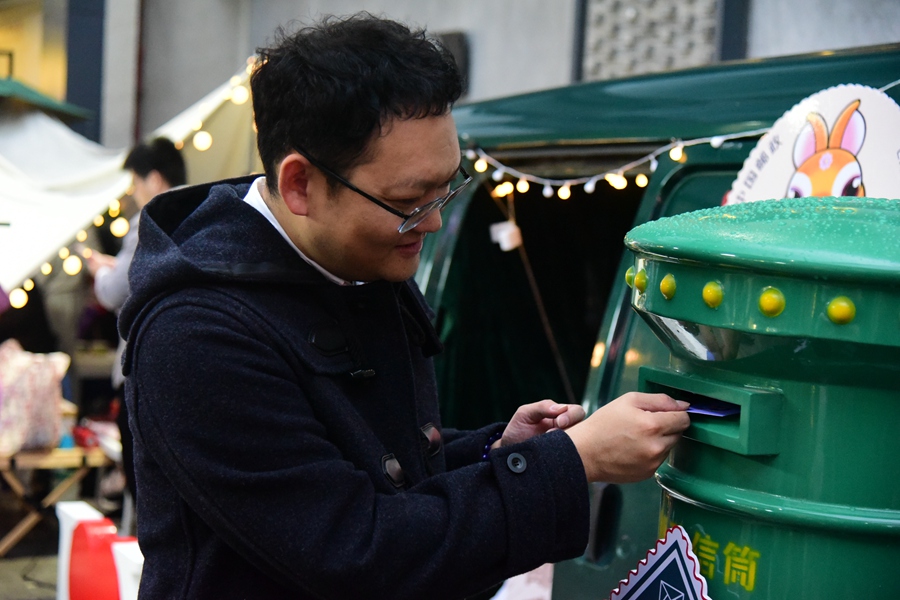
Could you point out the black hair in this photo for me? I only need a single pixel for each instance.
(329, 88)
(159, 155)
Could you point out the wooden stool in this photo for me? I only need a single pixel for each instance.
(80, 459)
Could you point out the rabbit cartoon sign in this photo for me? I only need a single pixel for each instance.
(842, 141)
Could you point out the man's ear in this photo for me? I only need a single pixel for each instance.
(293, 183)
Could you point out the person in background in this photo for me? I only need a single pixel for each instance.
(156, 166)
(279, 377)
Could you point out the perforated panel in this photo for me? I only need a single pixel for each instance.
(631, 37)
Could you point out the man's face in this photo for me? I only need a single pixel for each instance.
(147, 188)
(141, 186)
(411, 164)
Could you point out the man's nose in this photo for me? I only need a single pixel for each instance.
(432, 223)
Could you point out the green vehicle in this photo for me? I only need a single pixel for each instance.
(551, 318)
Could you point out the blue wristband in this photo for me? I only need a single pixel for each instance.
(490, 442)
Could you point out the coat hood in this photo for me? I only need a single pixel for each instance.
(207, 234)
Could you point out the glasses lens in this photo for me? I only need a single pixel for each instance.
(421, 213)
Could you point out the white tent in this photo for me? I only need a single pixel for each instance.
(54, 182)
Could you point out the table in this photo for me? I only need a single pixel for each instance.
(80, 459)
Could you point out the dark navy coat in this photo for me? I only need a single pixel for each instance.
(288, 442)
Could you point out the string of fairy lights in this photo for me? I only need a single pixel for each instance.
(614, 177)
(72, 257)
(617, 177)
(503, 175)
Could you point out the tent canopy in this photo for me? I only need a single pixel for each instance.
(54, 182)
(18, 92)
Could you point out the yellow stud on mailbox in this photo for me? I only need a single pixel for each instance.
(713, 294)
(667, 286)
(841, 310)
(640, 281)
(771, 302)
(629, 277)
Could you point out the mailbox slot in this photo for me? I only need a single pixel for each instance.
(752, 429)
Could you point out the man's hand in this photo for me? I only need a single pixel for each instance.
(627, 439)
(97, 260)
(537, 418)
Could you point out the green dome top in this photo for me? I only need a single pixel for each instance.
(834, 238)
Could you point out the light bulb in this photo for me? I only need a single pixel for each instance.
(202, 141)
(481, 165)
(522, 186)
(18, 298)
(677, 153)
(548, 190)
(179, 144)
(28, 285)
(46, 268)
(504, 189)
(98, 221)
(590, 186)
(72, 265)
(81, 235)
(63, 253)
(564, 192)
(87, 252)
(115, 205)
(471, 154)
(240, 95)
(717, 141)
(641, 180)
(616, 180)
(235, 80)
(498, 175)
(653, 164)
(119, 227)
(198, 125)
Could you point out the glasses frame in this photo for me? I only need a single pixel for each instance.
(411, 220)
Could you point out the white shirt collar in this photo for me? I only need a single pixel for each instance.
(254, 198)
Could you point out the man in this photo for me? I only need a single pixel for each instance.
(156, 166)
(287, 436)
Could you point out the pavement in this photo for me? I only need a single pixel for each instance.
(28, 571)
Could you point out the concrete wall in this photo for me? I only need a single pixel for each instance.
(121, 32)
(190, 48)
(514, 45)
(778, 27)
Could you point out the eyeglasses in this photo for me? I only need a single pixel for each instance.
(411, 220)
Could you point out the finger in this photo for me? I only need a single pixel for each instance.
(538, 411)
(659, 403)
(672, 422)
(574, 413)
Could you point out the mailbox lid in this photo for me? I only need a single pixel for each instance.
(855, 239)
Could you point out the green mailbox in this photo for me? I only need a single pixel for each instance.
(783, 323)
(496, 309)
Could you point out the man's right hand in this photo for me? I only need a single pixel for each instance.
(626, 440)
(96, 260)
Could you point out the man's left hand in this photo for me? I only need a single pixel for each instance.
(537, 418)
